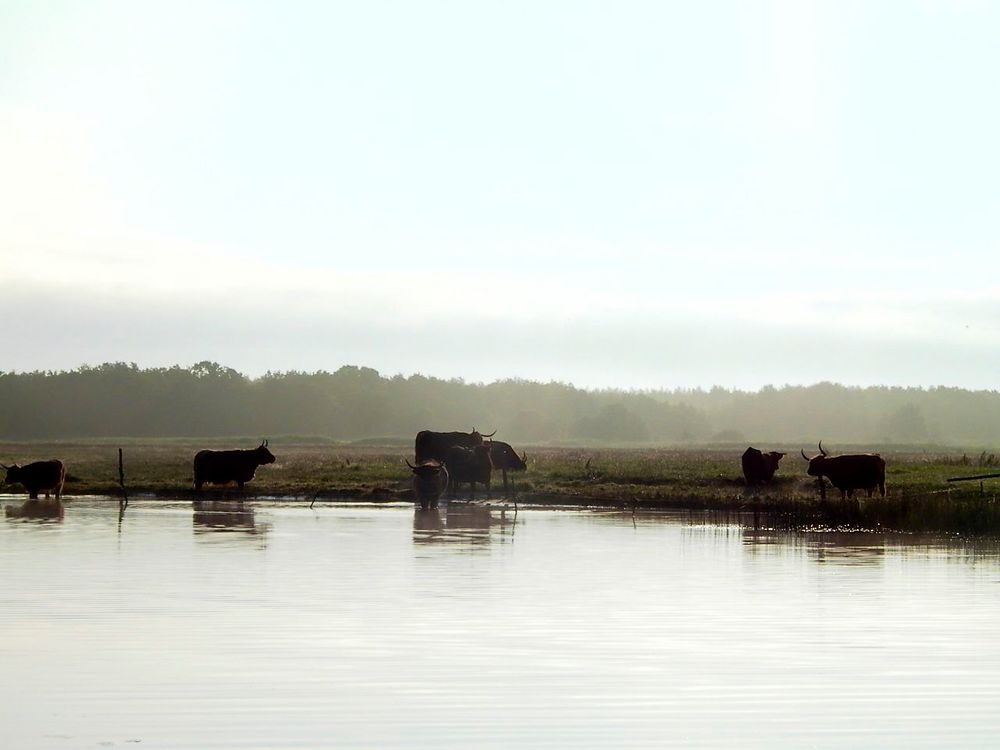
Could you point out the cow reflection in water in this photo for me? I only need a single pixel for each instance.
(44, 510)
(223, 515)
(466, 523)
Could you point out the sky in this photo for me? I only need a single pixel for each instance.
(612, 194)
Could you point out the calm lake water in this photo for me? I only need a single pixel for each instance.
(278, 626)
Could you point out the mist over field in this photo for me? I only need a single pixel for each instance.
(358, 403)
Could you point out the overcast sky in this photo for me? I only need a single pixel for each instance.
(629, 194)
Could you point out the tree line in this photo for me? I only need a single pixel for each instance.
(353, 403)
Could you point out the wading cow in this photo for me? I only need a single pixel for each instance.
(40, 476)
(470, 465)
(506, 459)
(430, 480)
(860, 471)
(434, 445)
(759, 467)
(223, 467)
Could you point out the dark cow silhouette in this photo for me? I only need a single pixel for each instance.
(506, 459)
(434, 445)
(40, 476)
(430, 480)
(223, 467)
(861, 471)
(759, 467)
(469, 465)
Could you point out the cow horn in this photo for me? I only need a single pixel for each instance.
(409, 464)
(491, 434)
(524, 457)
(804, 455)
(821, 448)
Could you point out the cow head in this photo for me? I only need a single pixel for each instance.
(264, 456)
(13, 474)
(817, 464)
(771, 460)
(426, 469)
(504, 457)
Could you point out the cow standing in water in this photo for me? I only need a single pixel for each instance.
(861, 471)
(506, 459)
(430, 480)
(223, 467)
(759, 467)
(40, 476)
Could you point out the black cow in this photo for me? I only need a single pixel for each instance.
(40, 476)
(223, 467)
(506, 459)
(434, 445)
(759, 467)
(430, 480)
(470, 465)
(861, 471)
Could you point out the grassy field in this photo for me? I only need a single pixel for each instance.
(706, 478)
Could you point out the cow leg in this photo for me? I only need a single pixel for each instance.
(489, 493)
(505, 491)
(822, 488)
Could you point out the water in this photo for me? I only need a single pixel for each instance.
(380, 627)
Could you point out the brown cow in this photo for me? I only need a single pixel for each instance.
(470, 465)
(430, 480)
(759, 467)
(860, 471)
(223, 467)
(40, 476)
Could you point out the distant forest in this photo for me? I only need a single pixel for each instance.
(354, 403)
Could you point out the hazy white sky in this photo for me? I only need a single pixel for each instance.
(634, 194)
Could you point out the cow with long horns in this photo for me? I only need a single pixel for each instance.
(860, 471)
(223, 467)
(39, 476)
(434, 445)
(505, 458)
(430, 480)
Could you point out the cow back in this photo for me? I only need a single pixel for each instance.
(434, 445)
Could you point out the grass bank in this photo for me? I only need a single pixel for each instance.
(705, 478)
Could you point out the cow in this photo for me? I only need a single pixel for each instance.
(430, 480)
(759, 467)
(40, 476)
(506, 459)
(861, 471)
(433, 445)
(470, 465)
(223, 467)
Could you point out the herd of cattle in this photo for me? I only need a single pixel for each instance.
(445, 460)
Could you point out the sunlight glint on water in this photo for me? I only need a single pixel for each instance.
(279, 626)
